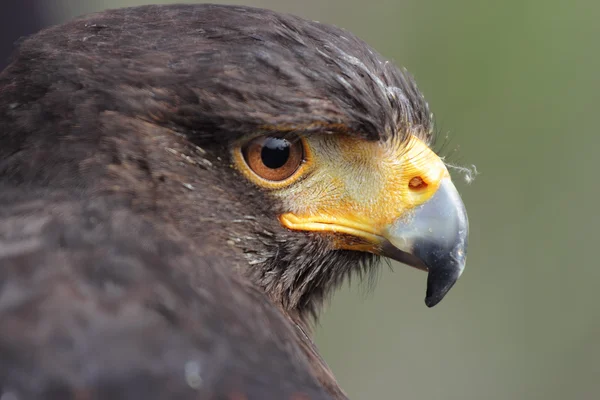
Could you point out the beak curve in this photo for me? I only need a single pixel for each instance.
(394, 201)
(432, 237)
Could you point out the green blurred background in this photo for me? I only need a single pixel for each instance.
(515, 84)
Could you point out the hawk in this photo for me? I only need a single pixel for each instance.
(182, 187)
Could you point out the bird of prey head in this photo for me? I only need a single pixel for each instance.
(261, 156)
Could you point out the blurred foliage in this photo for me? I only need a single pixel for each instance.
(514, 86)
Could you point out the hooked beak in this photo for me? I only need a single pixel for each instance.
(433, 237)
(398, 202)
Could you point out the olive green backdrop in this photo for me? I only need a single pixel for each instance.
(515, 84)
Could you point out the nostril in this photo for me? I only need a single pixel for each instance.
(417, 183)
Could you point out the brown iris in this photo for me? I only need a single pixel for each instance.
(274, 158)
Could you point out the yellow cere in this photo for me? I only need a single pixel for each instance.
(358, 188)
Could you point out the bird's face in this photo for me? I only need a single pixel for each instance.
(329, 144)
(393, 198)
(338, 140)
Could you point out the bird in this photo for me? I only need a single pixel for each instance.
(183, 187)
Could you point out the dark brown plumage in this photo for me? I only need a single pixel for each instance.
(135, 262)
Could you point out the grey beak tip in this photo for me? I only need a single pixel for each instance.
(439, 284)
(430, 302)
(433, 298)
(435, 239)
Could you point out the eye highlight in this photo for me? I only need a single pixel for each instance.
(275, 160)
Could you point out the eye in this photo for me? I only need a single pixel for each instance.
(274, 158)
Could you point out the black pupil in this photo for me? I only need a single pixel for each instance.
(275, 152)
